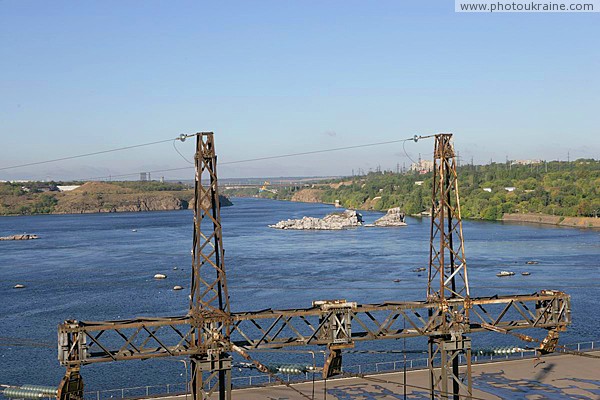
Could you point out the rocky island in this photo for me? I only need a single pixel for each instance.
(394, 217)
(333, 221)
(24, 236)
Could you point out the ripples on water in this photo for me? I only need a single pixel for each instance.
(94, 267)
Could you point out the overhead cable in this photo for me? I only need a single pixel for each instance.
(84, 155)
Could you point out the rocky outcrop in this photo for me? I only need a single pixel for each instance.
(308, 196)
(100, 197)
(394, 217)
(25, 236)
(333, 221)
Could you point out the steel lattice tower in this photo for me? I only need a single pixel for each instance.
(209, 299)
(448, 283)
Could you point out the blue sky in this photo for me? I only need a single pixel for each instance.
(275, 77)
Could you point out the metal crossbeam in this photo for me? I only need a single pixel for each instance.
(95, 342)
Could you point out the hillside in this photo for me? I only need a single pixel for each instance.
(487, 192)
(95, 197)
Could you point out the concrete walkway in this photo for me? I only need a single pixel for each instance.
(552, 377)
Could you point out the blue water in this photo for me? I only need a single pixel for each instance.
(94, 267)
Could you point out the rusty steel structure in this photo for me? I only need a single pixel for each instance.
(448, 283)
(210, 332)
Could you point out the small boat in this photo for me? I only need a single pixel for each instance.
(525, 273)
(19, 286)
(177, 287)
(160, 276)
(396, 280)
(421, 269)
(532, 262)
(134, 230)
(505, 273)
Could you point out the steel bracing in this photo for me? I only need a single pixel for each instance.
(209, 332)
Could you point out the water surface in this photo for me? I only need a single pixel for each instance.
(94, 267)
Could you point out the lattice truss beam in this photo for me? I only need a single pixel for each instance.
(93, 342)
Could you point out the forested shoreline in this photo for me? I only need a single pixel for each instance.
(568, 189)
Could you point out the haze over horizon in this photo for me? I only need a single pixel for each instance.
(272, 78)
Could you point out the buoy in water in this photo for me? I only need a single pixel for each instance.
(177, 287)
(160, 276)
(18, 286)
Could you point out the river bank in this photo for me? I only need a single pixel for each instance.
(571, 222)
(98, 197)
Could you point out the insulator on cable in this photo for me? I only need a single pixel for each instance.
(18, 393)
(290, 369)
(48, 390)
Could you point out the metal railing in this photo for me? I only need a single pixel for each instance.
(265, 379)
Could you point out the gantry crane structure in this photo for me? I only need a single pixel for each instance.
(210, 332)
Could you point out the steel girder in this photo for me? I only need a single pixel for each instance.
(94, 342)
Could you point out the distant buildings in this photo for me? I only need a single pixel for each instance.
(423, 166)
(525, 162)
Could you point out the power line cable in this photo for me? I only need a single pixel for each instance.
(85, 155)
(304, 153)
(415, 138)
(178, 152)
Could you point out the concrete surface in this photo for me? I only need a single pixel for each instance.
(551, 377)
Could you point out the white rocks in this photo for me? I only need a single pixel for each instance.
(160, 276)
(394, 217)
(333, 221)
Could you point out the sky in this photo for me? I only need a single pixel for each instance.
(279, 77)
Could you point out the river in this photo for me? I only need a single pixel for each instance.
(96, 267)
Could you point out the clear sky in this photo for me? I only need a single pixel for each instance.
(275, 77)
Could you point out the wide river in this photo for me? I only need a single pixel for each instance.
(96, 267)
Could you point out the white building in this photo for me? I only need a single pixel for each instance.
(67, 188)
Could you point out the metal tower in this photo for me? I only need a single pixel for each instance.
(448, 283)
(209, 299)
